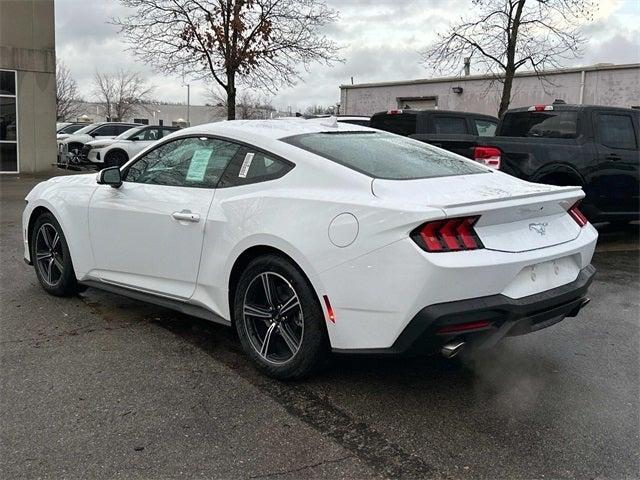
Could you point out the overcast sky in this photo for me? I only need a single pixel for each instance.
(380, 40)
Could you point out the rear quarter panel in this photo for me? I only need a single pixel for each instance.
(293, 214)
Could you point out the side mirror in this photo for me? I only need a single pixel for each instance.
(110, 176)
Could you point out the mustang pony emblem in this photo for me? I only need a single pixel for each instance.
(540, 228)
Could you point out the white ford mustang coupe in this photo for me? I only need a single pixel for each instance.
(312, 237)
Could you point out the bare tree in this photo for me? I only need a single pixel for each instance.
(259, 43)
(319, 110)
(122, 93)
(249, 105)
(506, 35)
(67, 97)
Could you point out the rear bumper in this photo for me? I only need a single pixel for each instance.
(507, 317)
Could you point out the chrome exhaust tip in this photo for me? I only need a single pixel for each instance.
(450, 350)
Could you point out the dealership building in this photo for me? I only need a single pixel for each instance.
(602, 84)
(172, 114)
(27, 86)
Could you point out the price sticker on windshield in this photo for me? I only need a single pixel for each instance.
(198, 165)
(244, 169)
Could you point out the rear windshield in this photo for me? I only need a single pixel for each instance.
(547, 124)
(383, 155)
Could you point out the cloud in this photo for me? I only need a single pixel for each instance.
(620, 48)
(381, 39)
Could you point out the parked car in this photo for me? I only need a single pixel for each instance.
(307, 237)
(442, 124)
(70, 128)
(353, 119)
(118, 151)
(595, 147)
(72, 143)
(362, 120)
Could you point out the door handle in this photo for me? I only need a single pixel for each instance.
(612, 156)
(186, 216)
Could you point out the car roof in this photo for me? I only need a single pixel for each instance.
(166, 127)
(275, 129)
(569, 107)
(339, 117)
(120, 123)
(435, 112)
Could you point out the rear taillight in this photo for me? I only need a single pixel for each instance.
(450, 235)
(490, 156)
(577, 215)
(394, 112)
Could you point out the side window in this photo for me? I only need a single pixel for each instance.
(140, 135)
(485, 128)
(252, 167)
(616, 131)
(122, 128)
(446, 125)
(152, 134)
(149, 135)
(399, 123)
(163, 132)
(187, 162)
(105, 131)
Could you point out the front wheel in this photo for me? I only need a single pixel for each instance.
(279, 320)
(51, 257)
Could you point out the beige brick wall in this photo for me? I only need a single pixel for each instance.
(618, 87)
(27, 44)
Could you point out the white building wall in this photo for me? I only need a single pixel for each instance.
(604, 85)
(154, 114)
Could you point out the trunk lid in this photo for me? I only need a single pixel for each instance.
(515, 215)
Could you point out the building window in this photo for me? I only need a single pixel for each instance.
(8, 122)
(161, 122)
(143, 121)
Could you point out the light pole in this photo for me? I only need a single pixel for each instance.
(188, 105)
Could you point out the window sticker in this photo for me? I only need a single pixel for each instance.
(244, 169)
(198, 165)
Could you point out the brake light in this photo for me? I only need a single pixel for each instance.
(394, 112)
(490, 156)
(450, 235)
(540, 108)
(577, 215)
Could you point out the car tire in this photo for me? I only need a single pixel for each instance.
(292, 342)
(51, 258)
(115, 159)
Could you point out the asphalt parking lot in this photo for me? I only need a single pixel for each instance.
(99, 386)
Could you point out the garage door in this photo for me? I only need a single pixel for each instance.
(417, 103)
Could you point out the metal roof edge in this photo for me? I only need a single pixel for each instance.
(589, 68)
